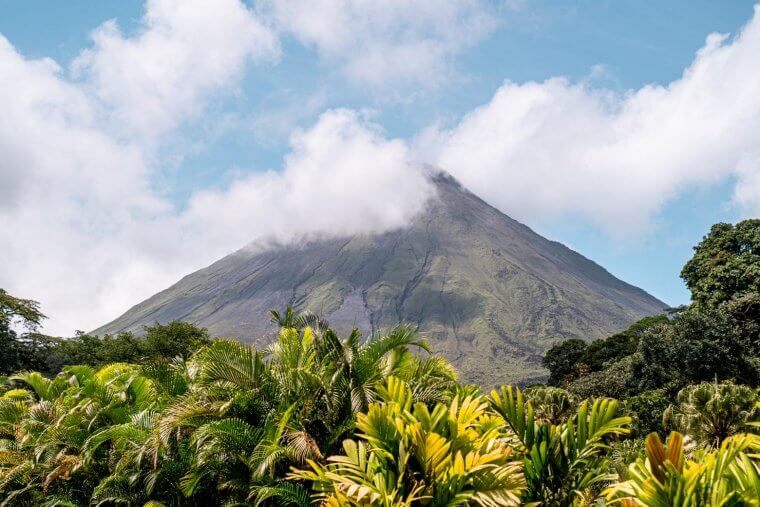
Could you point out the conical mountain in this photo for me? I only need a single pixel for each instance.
(490, 294)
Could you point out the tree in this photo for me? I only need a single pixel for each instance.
(15, 352)
(711, 412)
(612, 382)
(601, 353)
(647, 409)
(174, 339)
(725, 265)
(26, 311)
(562, 359)
(573, 359)
(698, 345)
(724, 274)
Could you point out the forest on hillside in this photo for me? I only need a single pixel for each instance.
(665, 413)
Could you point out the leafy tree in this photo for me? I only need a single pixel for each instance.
(562, 359)
(711, 412)
(17, 352)
(699, 345)
(601, 353)
(724, 274)
(647, 411)
(26, 311)
(167, 340)
(725, 265)
(614, 381)
(175, 339)
(573, 359)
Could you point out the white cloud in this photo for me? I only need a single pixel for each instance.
(77, 156)
(393, 43)
(544, 149)
(184, 51)
(84, 230)
(341, 177)
(73, 187)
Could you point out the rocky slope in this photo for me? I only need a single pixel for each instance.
(491, 294)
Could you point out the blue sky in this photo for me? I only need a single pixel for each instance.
(209, 133)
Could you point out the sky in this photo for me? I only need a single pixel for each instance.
(142, 140)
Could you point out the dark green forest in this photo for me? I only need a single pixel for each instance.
(665, 413)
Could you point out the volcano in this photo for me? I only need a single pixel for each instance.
(488, 292)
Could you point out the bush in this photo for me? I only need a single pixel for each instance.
(611, 382)
(711, 412)
(561, 360)
(647, 409)
(551, 404)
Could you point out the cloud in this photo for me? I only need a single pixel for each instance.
(78, 154)
(72, 187)
(183, 52)
(539, 150)
(84, 229)
(394, 43)
(342, 176)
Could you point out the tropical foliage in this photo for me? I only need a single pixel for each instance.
(173, 418)
(338, 421)
(562, 463)
(409, 454)
(725, 476)
(711, 412)
(551, 404)
(221, 426)
(714, 339)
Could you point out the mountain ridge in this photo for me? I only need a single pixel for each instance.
(491, 294)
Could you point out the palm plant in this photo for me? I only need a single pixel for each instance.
(563, 463)
(331, 379)
(225, 426)
(552, 404)
(411, 455)
(234, 418)
(728, 475)
(711, 412)
(51, 424)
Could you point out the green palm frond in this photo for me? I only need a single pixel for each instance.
(230, 361)
(45, 389)
(401, 336)
(452, 455)
(282, 493)
(169, 377)
(725, 476)
(561, 461)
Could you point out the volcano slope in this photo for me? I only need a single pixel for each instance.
(489, 293)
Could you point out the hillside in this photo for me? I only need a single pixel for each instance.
(491, 294)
